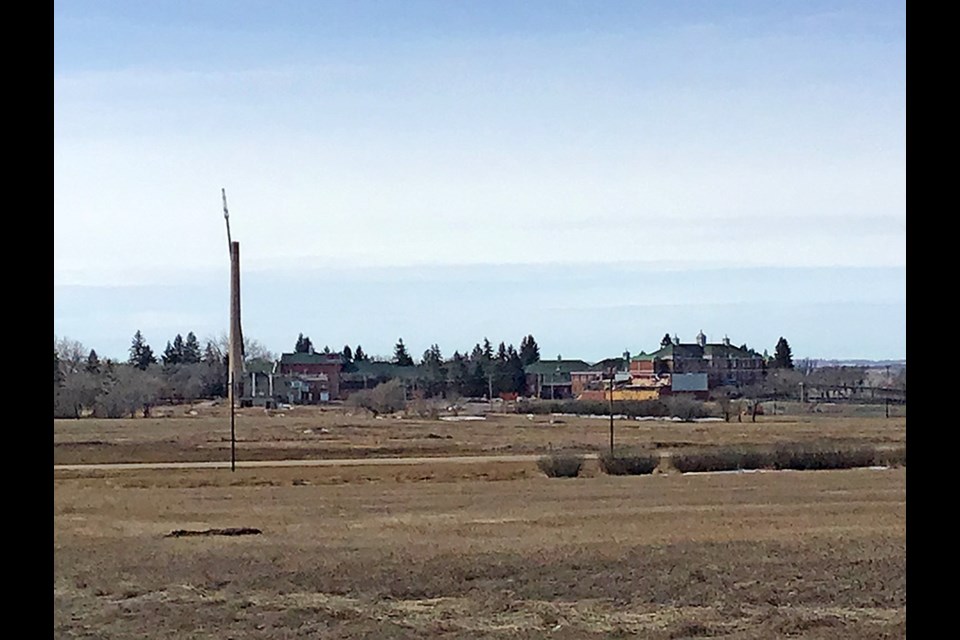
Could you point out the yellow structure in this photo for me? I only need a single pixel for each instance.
(633, 393)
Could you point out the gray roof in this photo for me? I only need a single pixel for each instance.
(688, 382)
(552, 367)
(310, 358)
(371, 369)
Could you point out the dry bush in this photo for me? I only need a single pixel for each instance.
(787, 456)
(631, 408)
(687, 409)
(723, 459)
(628, 463)
(892, 457)
(806, 457)
(386, 397)
(561, 465)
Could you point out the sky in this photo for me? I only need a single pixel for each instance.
(594, 173)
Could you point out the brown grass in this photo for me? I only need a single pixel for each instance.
(440, 551)
(311, 432)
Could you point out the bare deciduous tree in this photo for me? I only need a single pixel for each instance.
(71, 352)
(386, 397)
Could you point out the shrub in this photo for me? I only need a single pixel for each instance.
(802, 457)
(561, 465)
(723, 459)
(687, 409)
(787, 456)
(893, 457)
(628, 463)
(631, 408)
(386, 397)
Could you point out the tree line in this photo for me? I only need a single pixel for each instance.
(85, 383)
(185, 371)
(482, 371)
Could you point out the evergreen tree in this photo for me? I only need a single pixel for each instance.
(432, 356)
(457, 373)
(215, 378)
(476, 380)
(347, 353)
(191, 350)
(782, 355)
(170, 356)
(433, 372)
(212, 354)
(516, 377)
(400, 355)
(326, 349)
(487, 350)
(303, 345)
(477, 354)
(178, 348)
(529, 351)
(141, 355)
(359, 355)
(666, 341)
(93, 363)
(502, 352)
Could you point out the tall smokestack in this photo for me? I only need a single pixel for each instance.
(236, 335)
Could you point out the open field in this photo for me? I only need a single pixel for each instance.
(480, 551)
(313, 433)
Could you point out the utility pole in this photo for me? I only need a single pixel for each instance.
(612, 376)
(235, 350)
(490, 389)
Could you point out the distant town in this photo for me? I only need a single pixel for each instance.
(700, 369)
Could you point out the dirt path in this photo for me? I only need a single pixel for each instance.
(342, 462)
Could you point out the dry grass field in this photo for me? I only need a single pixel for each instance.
(309, 432)
(481, 550)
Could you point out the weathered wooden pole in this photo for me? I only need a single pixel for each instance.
(235, 357)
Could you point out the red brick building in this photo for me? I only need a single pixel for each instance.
(723, 363)
(318, 373)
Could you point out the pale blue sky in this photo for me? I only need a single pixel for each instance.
(732, 142)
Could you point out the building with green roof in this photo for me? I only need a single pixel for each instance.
(724, 363)
(550, 379)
